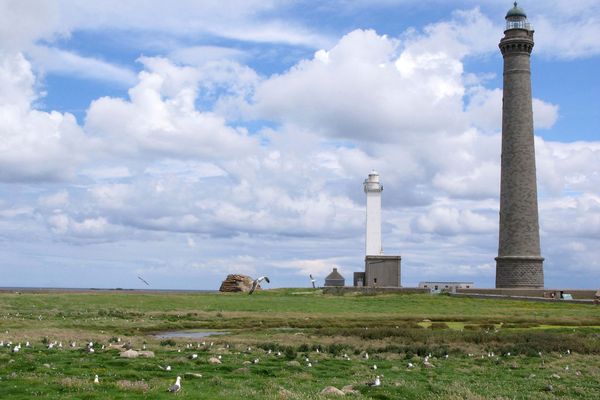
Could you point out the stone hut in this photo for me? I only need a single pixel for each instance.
(335, 279)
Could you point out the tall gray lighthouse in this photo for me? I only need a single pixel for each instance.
(519, 263)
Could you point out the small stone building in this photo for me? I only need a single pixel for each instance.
(335, 279)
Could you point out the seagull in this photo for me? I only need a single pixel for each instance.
(366, 356)
(309, 365)
(177, 386)
(410, 365)
(194, 356)
(256, 360)
(374, 366)
(143, 280)
(376, 382)
(312, 280)
(96, 380)
(256, 282)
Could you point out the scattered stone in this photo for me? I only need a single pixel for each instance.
(214, 360)
(138, 386)
(285, 394)
(531, 376)
(247, 362)
(293, 363)
(130, 354)
(243, 370)
(349, 389)
(193, 374)
(47, 365)
(549, 388)
(555, 376)
(331, 390)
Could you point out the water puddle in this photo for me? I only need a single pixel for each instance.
(187, 334)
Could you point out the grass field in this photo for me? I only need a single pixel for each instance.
(479, 348)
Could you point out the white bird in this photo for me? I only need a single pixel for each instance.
(219, 357)
(168, 368)
(278, 354)
(194, 356)
(16, 349)
(374, 367)
(177, 386)
(256, 282)
(256, 360)
(312, 280)
(309, 365)
(376, 382)
(96, 380)
(27, 344)
(410, 365)
(366, 356)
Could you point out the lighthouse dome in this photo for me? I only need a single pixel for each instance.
(516, 11)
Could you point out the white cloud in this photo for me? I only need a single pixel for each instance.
(161, 118)
(34, 145)
(53, 60)
(450, 221)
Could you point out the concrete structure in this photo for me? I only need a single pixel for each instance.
(373, 191)
(446, 286)
(335, 279)
(519, 261)
(382, 271)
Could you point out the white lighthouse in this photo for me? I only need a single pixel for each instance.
(373, 190)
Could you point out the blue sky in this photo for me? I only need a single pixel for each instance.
(182, 141)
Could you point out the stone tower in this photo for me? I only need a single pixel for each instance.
(519, 263)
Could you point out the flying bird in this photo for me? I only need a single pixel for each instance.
(143, 280)
(312, 280)
(177, 386)
(256, 282)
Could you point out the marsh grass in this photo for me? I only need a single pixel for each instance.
(297, 323)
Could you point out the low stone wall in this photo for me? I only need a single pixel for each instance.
(578, 294)
(372, 290)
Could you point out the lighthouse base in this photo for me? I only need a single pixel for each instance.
(520, 272)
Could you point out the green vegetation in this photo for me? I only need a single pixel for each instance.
(480, 349)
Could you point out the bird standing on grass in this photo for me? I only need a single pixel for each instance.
(96, 380)
(376, 382)
(176, 386)
(256, 282)
(312, 280)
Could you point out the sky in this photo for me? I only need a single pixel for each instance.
(182, 141)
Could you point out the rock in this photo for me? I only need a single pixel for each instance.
(214, 360)
(193, 374)
(237, 283)
(247, 362)
(555, 376)
(331, 390)
(47, 365)
(293, 363)
(285, 394)
(130, 354)
(146, 353)
(349, 389)
(549, 388)
(243, 370)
